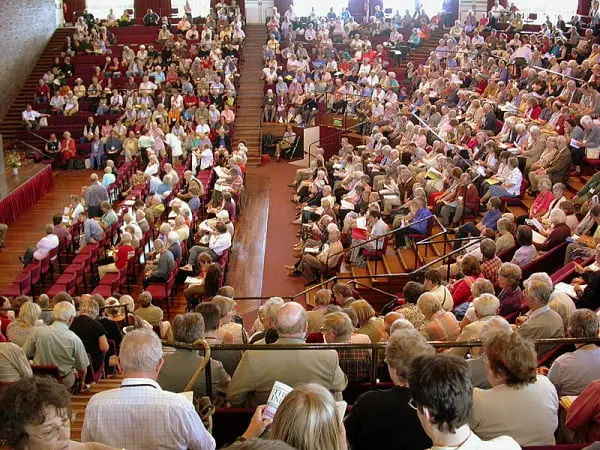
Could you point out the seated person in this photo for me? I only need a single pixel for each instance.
(416, 223)
(572, 372)
(510, 295)
(43, 248)
(373, 421)
(180, 366)
(259, 369)
(121, 255)
(526, 252)
(442, 394)
(520, 403)
(489, 220)
(439, 325)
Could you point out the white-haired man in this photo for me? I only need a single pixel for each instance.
(542, 322)
(57, 345)
(259, 369)
(140, 415)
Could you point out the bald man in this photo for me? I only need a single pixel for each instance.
(95, 194)
(259, 369)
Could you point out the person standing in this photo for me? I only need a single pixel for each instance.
(95, 194)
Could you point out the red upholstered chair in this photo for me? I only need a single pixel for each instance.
(516, 201)
(35, 269)
(45, 269)
(84, 259)
(65, 283)
(418, 236)
(119, 277)
(54, 259)
(106, 290)
(162, 291)
(77, 269)
(93, 376)
(376, 254)
(21, 285)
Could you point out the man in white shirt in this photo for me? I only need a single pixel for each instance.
(147, 87)
(442, 395)
(43, 247)
(219, 241)
(31, 118)
(140, 415)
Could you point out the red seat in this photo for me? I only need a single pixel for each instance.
(516, 201)
(45, 269)
(35, 269)
(376, 254)
(21, 285)
(162, 291)
(93, 376)
(65, 283)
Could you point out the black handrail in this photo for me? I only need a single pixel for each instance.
(101, 308)
(373, 348)
(38, 136)
(383, 236)
(35, 149)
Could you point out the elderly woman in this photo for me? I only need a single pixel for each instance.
(510, 186)
(520, 403)
(384, 419)
(440, 325)
(558, 232)
(39, 416)
(26, 323)
(226, 306)
(308, 418)
(180, 366)
(368, 323)
(485, 307)
(510, 296)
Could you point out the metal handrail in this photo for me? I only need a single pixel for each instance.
(35, 149)
(376, 239)
(38, 136)
(373, 348)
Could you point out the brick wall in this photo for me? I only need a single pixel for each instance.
(25, 28)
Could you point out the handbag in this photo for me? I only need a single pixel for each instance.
(592, 153)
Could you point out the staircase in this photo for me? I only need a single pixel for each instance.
(420, 55)
(79, 403)
(250, 95)
(12, 124)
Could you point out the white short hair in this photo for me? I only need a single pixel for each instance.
(486, 305)
(140, 350)
(63, 311)
(401, 324)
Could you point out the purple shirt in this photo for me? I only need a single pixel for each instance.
(423, 226)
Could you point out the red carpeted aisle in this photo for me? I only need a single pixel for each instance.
(281, 233)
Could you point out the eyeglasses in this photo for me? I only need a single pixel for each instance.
(411, 403)
(52, 432)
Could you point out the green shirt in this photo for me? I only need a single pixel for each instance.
(56, 345)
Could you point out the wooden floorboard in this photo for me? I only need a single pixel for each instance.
(246, 265)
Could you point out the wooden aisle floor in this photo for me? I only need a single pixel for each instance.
(246, 265)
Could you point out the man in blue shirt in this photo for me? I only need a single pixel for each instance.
(490, 220)
(418, 225)
(92, 231)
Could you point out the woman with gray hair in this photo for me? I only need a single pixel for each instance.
(558, 232)
(180, 365)
(384, 419)
(520, 403)
(121, 254)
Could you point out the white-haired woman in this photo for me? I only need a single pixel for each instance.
(558, 232)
